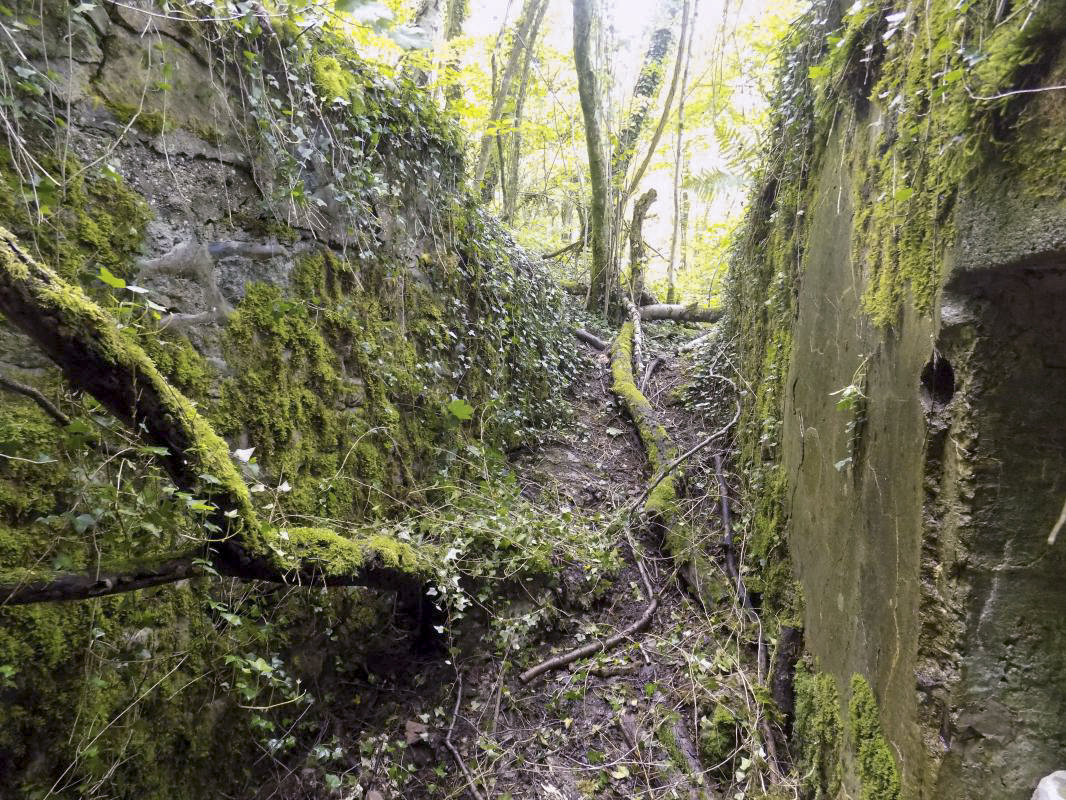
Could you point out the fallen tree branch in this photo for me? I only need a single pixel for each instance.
(28, 391)
(562, 251)
(591, 339)
(84, 342)
(592, 648)
(669, 468)
(692, 344)
(680, 313)
(65, 586)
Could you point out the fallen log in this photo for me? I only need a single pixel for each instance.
(660, 498)
(680, 313)
(84, 342)
(591, 339)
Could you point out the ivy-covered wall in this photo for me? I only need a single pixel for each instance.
(293, 246)
(894, 301)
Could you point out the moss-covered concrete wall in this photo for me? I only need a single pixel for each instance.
(895, 300)
(292, 244)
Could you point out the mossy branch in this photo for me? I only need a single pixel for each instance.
(86, 345)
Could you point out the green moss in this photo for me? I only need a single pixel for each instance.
(936, 135)
(818, 732)
(339, 556)
(659, 450)
(877, 768)
(332, 81)
(151, 122)
(668, 739)
(719, 736)
(291, 389)
(91, 221)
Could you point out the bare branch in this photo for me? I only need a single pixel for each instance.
(67, 586)
(46, 405)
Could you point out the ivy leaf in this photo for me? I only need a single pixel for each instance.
(83, 522)
(460, 409)
(903, 195)
(111, 279)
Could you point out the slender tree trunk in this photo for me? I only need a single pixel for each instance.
(685, 42)
(676, 240)
(637, 256)
(530, 13)
(599, 278)
(645, 91)
(455, 14)
(510, 197)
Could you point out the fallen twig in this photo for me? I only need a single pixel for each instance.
(451, 746)
(681, 458)
(591, 648)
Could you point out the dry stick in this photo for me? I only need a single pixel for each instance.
(46, 405)
(593, 647)
(727, 526)
(1058, 526)
(677, 461)
(452, 748)
(655, 364)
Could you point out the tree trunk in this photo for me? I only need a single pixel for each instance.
(685, 41)
(85, 344)
(510, 196)
(530, 12)
(588, 90)
(645, 91)
(676, 240)
(637, 256)
(455, 14)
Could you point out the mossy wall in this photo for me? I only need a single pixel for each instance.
(914, 176)
(307, 268)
